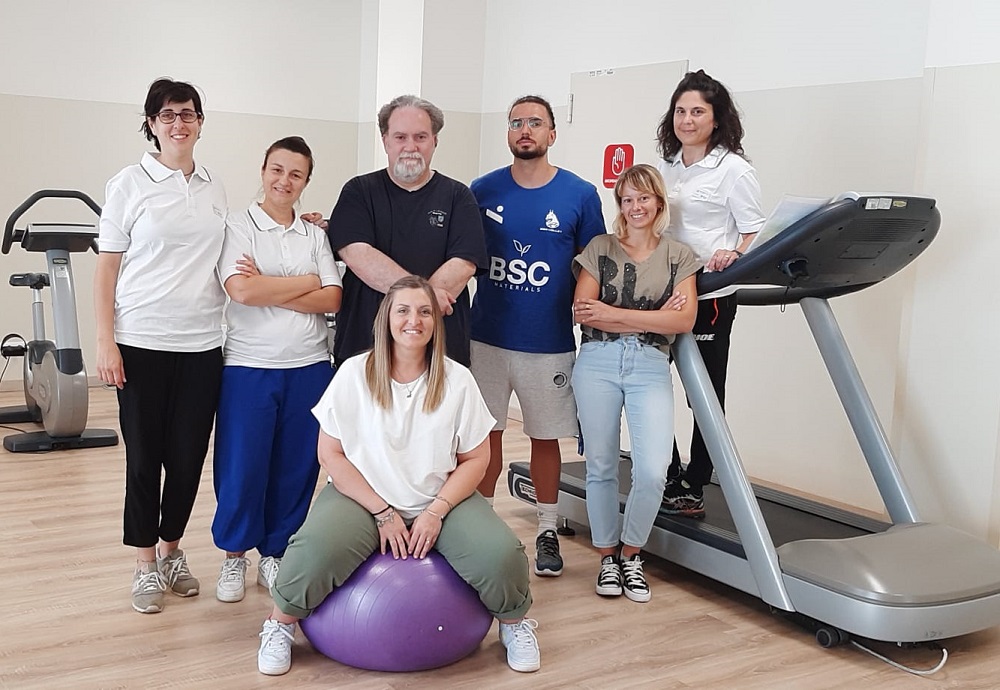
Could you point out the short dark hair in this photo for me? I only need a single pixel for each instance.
(537, 100)
(166, 90)
(410, 101)
(295, 145)
(728, 128)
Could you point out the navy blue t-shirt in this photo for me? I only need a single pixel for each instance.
(524, 301)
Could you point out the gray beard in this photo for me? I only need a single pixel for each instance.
(407, 174)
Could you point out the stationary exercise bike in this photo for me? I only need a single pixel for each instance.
(55, 379)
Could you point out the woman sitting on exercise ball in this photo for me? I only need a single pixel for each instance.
(404, 436)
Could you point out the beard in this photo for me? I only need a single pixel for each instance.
(409, 167)
(528, 154)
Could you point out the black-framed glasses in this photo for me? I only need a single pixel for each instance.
(167, 117)
(532, 122)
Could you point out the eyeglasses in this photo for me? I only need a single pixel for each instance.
(167, 117)
(532, 122)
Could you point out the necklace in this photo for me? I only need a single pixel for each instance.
(410, 386)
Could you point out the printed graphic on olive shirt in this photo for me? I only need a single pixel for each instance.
(608, 269)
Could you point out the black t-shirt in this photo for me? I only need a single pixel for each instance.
(420, 231)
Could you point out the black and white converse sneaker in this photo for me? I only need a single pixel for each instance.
(609, 580)
(635, 586)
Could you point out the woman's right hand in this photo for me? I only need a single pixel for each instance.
(393, 533)
(110, 368)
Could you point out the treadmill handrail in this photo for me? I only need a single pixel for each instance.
(754, 535)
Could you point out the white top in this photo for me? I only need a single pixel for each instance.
(275, 337)
(405, 454)
(170, 233)
(712, 202)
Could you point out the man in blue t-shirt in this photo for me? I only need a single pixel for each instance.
(537, 217)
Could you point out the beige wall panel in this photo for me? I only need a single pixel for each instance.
(457, 154)
(951, 402)
(781, 404)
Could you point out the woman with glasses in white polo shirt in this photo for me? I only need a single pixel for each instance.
(715, 209)
(282, 278)
(158, 303)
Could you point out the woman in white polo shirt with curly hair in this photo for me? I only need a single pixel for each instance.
(715, 209)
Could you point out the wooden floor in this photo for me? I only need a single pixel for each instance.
(67, 622)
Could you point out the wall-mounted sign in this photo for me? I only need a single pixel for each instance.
(617, 157)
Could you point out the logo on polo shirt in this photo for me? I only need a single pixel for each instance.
(436, 218)
(551, 221)
(495, 215)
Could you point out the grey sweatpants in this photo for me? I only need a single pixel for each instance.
(339, 535)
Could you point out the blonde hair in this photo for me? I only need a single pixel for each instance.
(378, 365)
(644, 179)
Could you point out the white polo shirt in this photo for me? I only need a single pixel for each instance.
(275, 337)
(712, 201)
(170, 232)
(405, 454)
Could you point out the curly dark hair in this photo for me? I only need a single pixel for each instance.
(728, 130)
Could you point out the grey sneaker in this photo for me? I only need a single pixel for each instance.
(174, 569)
(148, 587)
(548, 562)
(232, 579)
(267, 571)
(522, 645)
(275, 655)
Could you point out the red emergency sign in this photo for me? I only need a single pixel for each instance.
(617, 157)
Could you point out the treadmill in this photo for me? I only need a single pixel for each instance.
(839, 573)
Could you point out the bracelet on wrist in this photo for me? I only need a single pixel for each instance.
(385, 519)
(437, 515)
(738, 253)
(387, 507)
(451, 506)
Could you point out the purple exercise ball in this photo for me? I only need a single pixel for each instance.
(399, 615)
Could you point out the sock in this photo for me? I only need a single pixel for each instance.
(547, 515)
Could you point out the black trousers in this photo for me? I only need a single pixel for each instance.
(712, 329)
(166, 411)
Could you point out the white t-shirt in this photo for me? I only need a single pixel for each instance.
(404, 453)
(275, 337)
(170, 233)
(712, 202)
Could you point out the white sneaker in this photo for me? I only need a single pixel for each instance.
(267, 571)
(522, 645)
(232, 579)
(275, 655)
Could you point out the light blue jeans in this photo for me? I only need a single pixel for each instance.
(608, 377)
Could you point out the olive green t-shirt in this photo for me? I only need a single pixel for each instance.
(645, 285)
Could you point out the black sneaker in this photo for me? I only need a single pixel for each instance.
(548, 562)
(680, 498)
(634, 584)
(609, 580)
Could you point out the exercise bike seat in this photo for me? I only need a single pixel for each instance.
(35, 281)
